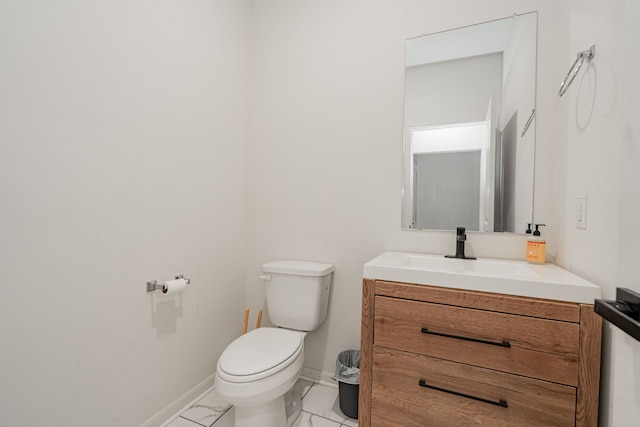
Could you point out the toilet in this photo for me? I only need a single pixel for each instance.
(257, 371)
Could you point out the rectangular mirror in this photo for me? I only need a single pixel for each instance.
(469, 129)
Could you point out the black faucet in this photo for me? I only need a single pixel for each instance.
(461, 237)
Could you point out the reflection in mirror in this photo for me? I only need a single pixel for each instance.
(468, 146)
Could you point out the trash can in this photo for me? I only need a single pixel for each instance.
(348, 377)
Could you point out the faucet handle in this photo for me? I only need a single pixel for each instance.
(460, 231)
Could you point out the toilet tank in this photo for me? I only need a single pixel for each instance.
(297, 293)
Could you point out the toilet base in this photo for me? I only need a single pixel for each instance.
(293, 406)
(270, 414)
(278, 413)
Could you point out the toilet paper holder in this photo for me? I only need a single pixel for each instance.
(153, 285)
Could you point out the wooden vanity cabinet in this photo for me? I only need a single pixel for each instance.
(434, 356)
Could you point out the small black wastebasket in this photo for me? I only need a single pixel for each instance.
(348, 377)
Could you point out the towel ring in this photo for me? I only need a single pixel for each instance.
(585, 55)
(526, 125)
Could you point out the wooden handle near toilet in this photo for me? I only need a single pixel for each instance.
(259, 319)
(246, 320)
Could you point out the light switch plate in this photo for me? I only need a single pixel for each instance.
(581, 212)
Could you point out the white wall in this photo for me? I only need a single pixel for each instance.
(95, 98)
(599, 145)
(123, 145)
(326, 141)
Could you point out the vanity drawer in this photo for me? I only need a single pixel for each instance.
(415, 390)
(534, 347)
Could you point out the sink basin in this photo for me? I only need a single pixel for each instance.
(486, 266)
(546, 281)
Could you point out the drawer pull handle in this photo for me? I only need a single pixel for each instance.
(501, 402)
(500, 344)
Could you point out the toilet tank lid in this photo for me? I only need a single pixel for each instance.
(300, 268)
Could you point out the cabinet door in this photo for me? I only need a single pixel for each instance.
(538, 348)
(410, 389)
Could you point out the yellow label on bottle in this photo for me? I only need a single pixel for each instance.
(536, 251)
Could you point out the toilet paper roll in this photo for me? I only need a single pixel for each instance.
(171, 287)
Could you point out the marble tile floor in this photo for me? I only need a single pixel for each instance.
(320, 408)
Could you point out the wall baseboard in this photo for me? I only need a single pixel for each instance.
(171, 412)
(321, 377)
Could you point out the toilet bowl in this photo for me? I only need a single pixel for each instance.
(256, 385)
(256, 372)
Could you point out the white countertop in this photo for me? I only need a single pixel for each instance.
(510, 277)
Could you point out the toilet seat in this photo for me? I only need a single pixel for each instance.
(259, 354)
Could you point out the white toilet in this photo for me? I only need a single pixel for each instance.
(257, 371)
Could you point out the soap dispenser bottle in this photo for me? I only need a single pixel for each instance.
(537, 247)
